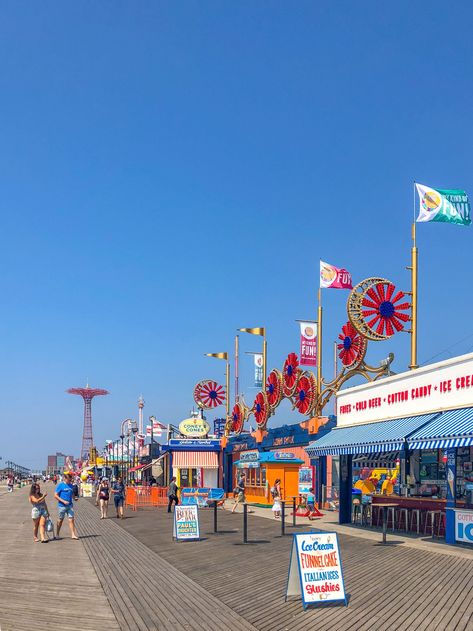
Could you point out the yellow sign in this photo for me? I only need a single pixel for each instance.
(194, 428)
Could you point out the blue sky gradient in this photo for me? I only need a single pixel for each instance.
(171, 172)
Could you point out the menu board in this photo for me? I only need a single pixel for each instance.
(315, 569)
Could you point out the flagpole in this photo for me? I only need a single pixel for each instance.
(413, 267)
(265, 350)
(227, 383)
(335, 370)
(237, 340)
(319, 346)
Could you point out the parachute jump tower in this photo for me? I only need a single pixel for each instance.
(87, 394)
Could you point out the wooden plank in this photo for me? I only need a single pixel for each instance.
(38, 582)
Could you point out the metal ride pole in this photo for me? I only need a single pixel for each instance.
(283, 517)
(245, 523)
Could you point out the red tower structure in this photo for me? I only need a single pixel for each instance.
(87, 394)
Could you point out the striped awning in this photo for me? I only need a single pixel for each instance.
(453, 428)
(370, 438)
(195, 459)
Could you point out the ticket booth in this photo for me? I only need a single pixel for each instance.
(262, 469)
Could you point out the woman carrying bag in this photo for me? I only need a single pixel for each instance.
(39, 513)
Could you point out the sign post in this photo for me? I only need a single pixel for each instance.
(186, 523)
(315, 569)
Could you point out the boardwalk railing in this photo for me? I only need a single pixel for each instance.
(142, 496)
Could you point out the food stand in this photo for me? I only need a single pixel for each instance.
(262, 469)
(421, 420)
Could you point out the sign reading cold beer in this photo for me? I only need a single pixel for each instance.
(441, 386)
(315, 568)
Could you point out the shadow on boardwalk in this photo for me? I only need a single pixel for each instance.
(389, 586)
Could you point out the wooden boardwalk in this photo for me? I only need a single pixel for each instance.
(48, 587)
(390, 587)
(130, 576)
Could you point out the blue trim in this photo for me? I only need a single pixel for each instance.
(453, 428)
(381, 436)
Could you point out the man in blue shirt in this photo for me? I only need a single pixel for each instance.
(65, 497)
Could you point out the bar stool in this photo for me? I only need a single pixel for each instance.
(392, 513)
(357, 514)
(366, 515)
(403, 514)
(442, 523)
(430, 517)
(415, 512)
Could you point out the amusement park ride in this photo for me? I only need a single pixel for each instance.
(376, 311)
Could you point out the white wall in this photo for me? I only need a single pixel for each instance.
(441, 386)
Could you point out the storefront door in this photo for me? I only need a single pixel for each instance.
(189, 477)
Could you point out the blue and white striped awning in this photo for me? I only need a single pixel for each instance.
(370, 438)
(453, 428)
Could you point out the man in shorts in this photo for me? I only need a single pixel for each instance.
(118, 490)
(65, 497)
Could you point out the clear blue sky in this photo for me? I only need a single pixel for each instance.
(173, 171)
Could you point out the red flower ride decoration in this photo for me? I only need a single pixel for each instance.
(261, 410)
(209, 394)
(274, 388)
(305, 395)
(291, 373)
(352, 347)
(381, 310)
(238, 418)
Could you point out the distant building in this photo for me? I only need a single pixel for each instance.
(59, 463)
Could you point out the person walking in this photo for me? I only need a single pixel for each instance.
(239, 491)
(39, 513)
(118, 490)
(65, 496)
(172, 494)
(103, 496)
(10, 483)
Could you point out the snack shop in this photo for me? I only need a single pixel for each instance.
(407, 441)
(280, 455)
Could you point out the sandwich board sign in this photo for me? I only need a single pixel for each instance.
(315, 569)
(186, 523)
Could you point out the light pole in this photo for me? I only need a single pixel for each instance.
(122, 436)
(134, 429)
(227, 378)
(260, 330)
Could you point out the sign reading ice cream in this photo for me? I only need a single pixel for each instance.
(441, 386)
(194, 427)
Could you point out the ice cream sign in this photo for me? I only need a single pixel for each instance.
(441, 386)
(194, 427)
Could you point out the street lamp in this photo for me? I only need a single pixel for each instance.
(227, 378)
(134, 429)
(122, 436)
(259, 331)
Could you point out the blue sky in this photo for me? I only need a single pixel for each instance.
(173, 171)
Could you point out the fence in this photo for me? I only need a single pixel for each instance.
(143, 496)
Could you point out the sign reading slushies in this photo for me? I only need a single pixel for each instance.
(315, 568)
(194, 427)
(186, 523)
(308, 349)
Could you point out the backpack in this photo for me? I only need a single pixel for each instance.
(272, 490)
